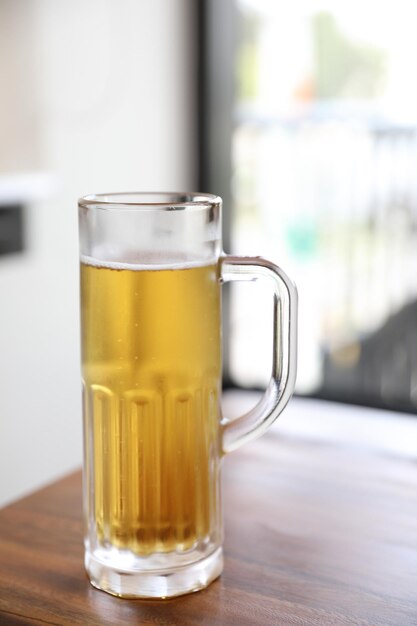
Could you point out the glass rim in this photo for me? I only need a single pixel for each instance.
(148, 200)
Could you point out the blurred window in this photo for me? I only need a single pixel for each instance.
(322, 155)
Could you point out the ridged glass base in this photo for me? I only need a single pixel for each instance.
(161, 583)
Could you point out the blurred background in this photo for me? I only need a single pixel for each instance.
(310, 136)
(302, 116)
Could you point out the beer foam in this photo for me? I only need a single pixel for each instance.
(147, 262)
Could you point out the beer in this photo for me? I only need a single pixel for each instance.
(151, 373)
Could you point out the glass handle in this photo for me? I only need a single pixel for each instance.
(284, 362)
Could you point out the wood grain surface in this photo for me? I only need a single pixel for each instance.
(316, 533)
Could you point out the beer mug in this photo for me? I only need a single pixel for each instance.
(152, 267)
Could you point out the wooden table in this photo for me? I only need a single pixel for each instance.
(320, 530)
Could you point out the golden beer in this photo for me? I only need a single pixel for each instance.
(151, 371)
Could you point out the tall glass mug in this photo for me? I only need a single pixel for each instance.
(151, 273)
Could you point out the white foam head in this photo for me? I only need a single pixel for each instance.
(149, 261)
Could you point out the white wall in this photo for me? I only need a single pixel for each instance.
(109, 94)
